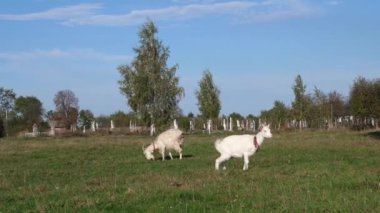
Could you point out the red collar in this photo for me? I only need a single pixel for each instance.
(257, 146)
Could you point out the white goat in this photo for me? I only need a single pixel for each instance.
(168, 140)
(240, 146)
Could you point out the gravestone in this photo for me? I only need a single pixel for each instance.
(112, 125)
(231, 126)
(35, 130)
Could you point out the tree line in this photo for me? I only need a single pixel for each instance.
(360, 110)
(153, 93)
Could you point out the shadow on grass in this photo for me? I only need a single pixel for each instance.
(375, 135)
(177, 157)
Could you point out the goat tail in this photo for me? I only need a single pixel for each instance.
(218, 144)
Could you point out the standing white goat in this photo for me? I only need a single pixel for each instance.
(168, 140)
(240, 146)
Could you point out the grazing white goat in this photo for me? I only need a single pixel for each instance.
(239, 146)
(171, 139)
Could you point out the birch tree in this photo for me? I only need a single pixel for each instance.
(208, 96)
(150, 86)
(300, 101)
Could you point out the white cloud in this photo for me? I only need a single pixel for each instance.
(87, 54)
(168, 13)
(241, 11)
(61, 13)
(273, 10)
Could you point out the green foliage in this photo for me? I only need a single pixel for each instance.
(363, 98)
(320, 109)
(236, 116)
(184, 123)
(103, 121)
(359, 97)
(85, 118)
(376, 86)
(338, 104)
(294, 172)
(208, 97)
(300, 102)
(149, 85)
(251, 117)
(277, 116)
(67, 108)
(7, 99)
(317, 108)
(122, 119)
(29, 111)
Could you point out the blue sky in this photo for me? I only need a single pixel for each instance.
(254, 49)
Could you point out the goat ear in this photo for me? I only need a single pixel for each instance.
(268, 126)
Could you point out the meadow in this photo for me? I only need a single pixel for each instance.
(311, 171)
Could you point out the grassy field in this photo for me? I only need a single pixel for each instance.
(308, 172)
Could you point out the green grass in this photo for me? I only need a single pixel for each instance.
(294, 172)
